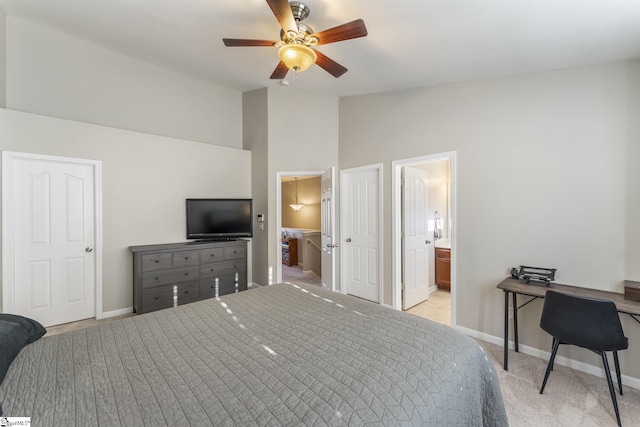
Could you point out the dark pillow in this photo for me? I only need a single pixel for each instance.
(34, 329)
(13, 336)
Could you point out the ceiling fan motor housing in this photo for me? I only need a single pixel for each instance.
(300, 10)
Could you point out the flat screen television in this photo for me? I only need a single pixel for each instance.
(219, 219)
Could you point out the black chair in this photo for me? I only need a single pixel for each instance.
(589, 323)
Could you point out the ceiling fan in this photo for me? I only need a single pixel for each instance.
(297, 40)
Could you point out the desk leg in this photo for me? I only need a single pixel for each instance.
(515, 321)
(505, 363)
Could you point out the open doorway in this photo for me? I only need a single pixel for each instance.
(299, 227)
(433, 228)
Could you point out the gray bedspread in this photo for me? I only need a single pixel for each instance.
(278, 355)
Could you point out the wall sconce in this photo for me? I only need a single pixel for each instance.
(296, 206)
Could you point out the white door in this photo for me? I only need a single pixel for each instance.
(49, 210)
(328, 230)
(361, 222)
(415, 241)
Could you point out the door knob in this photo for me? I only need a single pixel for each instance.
(88, 249)
(348, 239)
(427, 242)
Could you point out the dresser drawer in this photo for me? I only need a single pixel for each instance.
(162, 297)
(212, 270)
(212, 255)
(234, 252)
(185, 258)
(157, 298)
(166, 277)
(188, 292)
(226, 285)
(156, 261)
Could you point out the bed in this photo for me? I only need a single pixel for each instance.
(276, 355)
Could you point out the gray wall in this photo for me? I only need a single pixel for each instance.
(56, 75)
(544, 178)
(295, 132)
(255, 121)
(146, 179)
(67, 97)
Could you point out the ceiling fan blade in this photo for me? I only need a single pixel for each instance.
(247, 42)
(284, 15)
(329, 65)
(280, 72)
(350, 30)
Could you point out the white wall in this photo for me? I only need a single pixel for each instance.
(632, 225)
(3, 59)
(543, 179)
(53, 74)
(146, 179)
(297, 132)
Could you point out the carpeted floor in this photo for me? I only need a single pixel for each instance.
(571, 398)
(294, 274)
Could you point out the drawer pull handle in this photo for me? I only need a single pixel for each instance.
(186, 274)
(157, 261)
(186, 292)
(157, 297)
(157, 278)
(186, 257)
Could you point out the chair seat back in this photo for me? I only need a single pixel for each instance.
(584, 322)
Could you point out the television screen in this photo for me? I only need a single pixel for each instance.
(219, 218)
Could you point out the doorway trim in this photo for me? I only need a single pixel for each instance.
(378, 167)
(278, 227)
(396, 225)
(8, 301)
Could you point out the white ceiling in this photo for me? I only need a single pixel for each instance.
(411, 43)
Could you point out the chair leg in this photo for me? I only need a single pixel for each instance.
(554, 350)
(617, 363)
(611, 389)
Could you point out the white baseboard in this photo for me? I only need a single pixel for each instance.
(597, 371)
(115, 313)
(432, 289)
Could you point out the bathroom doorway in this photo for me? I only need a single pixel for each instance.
(439, 243)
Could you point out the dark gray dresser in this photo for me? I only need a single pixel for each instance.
(178, 273)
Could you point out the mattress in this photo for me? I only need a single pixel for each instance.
(284, 354)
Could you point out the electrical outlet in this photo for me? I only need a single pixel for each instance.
(510, 312)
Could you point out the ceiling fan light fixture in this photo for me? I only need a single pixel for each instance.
(297, 57)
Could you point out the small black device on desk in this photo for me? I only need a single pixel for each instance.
(537, 274)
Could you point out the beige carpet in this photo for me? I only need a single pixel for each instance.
(294, 274)
(571, 398)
